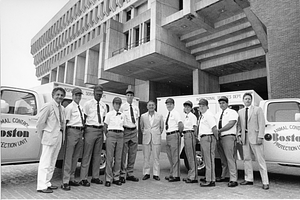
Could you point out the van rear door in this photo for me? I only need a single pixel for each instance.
(282, 133)
(19, 140)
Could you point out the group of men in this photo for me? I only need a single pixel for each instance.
(82, 129)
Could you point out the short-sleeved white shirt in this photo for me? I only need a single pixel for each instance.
(114, 121)
(207, 122)
(189, 122)
(228, 115)
(90, 109)
(125, 109)
(173, 121)
(73, 115)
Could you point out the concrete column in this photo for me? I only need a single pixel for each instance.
(61, 73)
(204, 82)
(142, 89)
(142, 31)
(69, 72)
(79, 71)
(91, 69)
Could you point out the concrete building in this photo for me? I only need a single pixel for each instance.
(173, 47)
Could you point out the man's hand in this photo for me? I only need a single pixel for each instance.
(239, 139)
(259, 141)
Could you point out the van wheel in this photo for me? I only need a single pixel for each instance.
(103, 162)
(199, 160)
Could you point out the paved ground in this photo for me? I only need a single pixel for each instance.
(19, 182)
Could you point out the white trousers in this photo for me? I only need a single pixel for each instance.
(147, 153)
(47, 164)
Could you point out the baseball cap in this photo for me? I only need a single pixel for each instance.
(188, 103)
(98, 87)
(223, 98)
(203, 102)
(76, 91)
(117, 100)
(170, 100)
(129, 90)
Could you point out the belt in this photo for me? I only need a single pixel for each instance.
(127, 128)
(116, 131)
(76, 127)
(92, 126)
(201, 136)
(184, 132)
(228, 135)
(169, 133)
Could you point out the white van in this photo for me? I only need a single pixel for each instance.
(19, 108)
(282, 133)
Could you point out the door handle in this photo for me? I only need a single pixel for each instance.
(269, 125)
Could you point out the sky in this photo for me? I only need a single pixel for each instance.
(21, 20)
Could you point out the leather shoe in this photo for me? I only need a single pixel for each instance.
(45, 190)
(208, 184)
(84, 183)
(219, 179)
(52, 187)
(232, 184)
(122, 179)
(265, 186)
(191, 181)
(107, 184)
(147, 176)
(246, 183)
(203, 179)
(174, 179)
(74, 183)
(118, 182)
(132, 178)
(96, 180)
(65, 186)
(168, 177)
(156, 178)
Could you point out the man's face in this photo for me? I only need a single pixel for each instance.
(76, 97)
(170, 106)
(129, 97)
(223, 105)
(151, 106)
(58, 96)
(203, 108)
(247, 100)
(98, 94)
(187, 109)
(117, 106)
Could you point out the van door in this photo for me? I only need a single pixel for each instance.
(19, 140)
(282, 133)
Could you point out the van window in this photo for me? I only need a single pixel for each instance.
(282, 111)
(21, 103)
(236, 107)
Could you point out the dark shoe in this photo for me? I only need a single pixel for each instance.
(219, 179)
(147, 176)
(208, 184)
(174, 179)
(265, 186)
(74, 183)
(203, 179)
(156, 178)
(168, 177)
(65, 186)
(96, 180)
(85, 183)
(52, 187)
(191, 181)
(122, 179)
(132, 178)
(45, 190)
(232, 184)
(107, 184)
(246, 183)
(117, 182)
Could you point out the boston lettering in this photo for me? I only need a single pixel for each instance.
(14, 133)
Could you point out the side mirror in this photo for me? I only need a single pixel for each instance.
(297, 117)
(4, 106)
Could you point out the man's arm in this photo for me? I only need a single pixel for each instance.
(261, 125)
(228, 126)
(161, 121)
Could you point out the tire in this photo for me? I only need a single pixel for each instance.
(102, 164)
(200, 163)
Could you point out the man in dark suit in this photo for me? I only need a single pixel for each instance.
(251, 129)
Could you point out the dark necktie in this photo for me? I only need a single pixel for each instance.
(131, 113)
(98, 112)
(167, 126)
(220, 121)
(118, 113)
(246, 119)
(81, 115)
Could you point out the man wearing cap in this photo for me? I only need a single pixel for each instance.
(227, 119)
(174, 128)
(73, 142)
(152, 125)
(114, 131)
(208, 134)
(189, 131)
(94, 113)
(132, 114)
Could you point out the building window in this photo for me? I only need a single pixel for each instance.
(147, 32)
(136, 36)
(180, 4)
(128, 15)
(126, 40)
